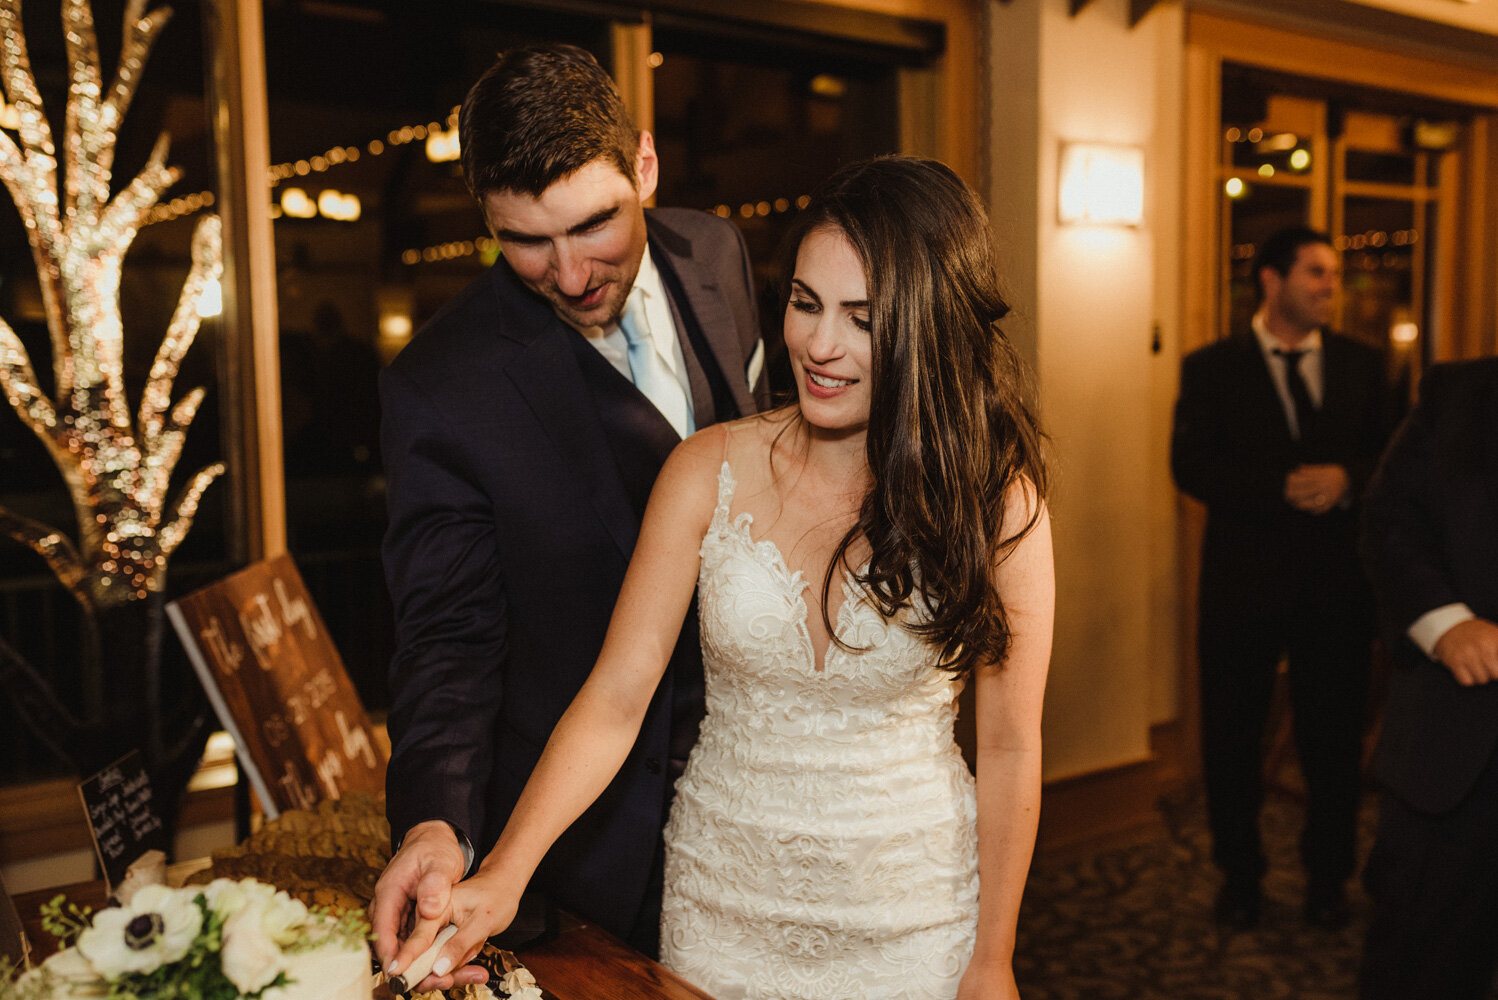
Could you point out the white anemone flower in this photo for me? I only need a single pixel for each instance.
(157, 928)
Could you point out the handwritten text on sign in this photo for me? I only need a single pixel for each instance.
(279, 686)
(121, 815)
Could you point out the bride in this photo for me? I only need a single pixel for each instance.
(858, 556)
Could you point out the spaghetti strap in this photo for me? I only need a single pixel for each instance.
(724, 425)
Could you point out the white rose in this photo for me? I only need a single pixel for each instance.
(156, 929)
(225, 895)
(64, 976)
(282, 918)
(250, 957)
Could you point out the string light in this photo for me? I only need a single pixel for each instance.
(337, 205)
(750, 209)
(211, 302)
(1352, 241)
(1377, 238)
(445, 144)
(455, 250)
(458, 249)
(117, 465)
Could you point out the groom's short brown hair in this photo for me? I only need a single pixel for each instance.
(539, 114)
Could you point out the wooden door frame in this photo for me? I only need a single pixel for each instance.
(1215, 38)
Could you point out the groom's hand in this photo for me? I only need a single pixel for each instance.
(413, 896)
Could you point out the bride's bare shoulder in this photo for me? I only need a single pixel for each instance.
(735, 438)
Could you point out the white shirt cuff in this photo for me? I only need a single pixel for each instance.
(1427, 630)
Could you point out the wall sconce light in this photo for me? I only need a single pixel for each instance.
(1101, 185)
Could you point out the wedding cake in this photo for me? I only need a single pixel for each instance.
(241, 939)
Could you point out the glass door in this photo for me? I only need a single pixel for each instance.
(1377, 172)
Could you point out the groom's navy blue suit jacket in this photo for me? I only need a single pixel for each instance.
(518, 464)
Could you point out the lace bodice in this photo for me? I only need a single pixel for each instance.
(821, 843)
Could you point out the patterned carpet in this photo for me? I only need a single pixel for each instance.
(1133, 921)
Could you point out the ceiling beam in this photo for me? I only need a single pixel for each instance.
(1139, 8)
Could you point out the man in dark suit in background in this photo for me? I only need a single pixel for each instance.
(1276, 430)
(523, 429)
(1430, 539)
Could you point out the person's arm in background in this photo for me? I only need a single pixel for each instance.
(1401, 547)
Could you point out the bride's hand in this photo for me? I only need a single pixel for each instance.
(988, 981)
(482, 906)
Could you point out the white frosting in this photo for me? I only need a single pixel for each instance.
(330, 973)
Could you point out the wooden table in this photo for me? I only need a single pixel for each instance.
(584, 962)
(588, 963)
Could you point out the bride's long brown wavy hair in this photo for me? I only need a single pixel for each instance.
(951, 431)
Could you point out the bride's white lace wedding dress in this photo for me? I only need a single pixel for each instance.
(822, 843)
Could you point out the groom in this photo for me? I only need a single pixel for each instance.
(523, 428)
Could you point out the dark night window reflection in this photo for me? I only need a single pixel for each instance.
(743, 129)
(748, 131)
(39, 620)
(373, 233)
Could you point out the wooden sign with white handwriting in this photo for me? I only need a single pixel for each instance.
(279, 687)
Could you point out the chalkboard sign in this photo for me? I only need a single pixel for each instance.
(279, 687)
(122, 815)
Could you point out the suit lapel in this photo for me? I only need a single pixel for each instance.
(546, 373)
(1262, 392)
(707, 301)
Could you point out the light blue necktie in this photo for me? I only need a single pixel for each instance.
(648, 369)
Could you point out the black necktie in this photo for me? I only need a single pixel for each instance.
(1299, 394)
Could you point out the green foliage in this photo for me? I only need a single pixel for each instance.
(349, 927)
(64, 920)
(198, 975)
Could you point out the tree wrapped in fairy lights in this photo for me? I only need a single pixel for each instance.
(117, 466)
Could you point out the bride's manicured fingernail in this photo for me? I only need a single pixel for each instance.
(443, 964)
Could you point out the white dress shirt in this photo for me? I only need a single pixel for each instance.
(609, 340)
(1427, 630)
(1311, 369)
